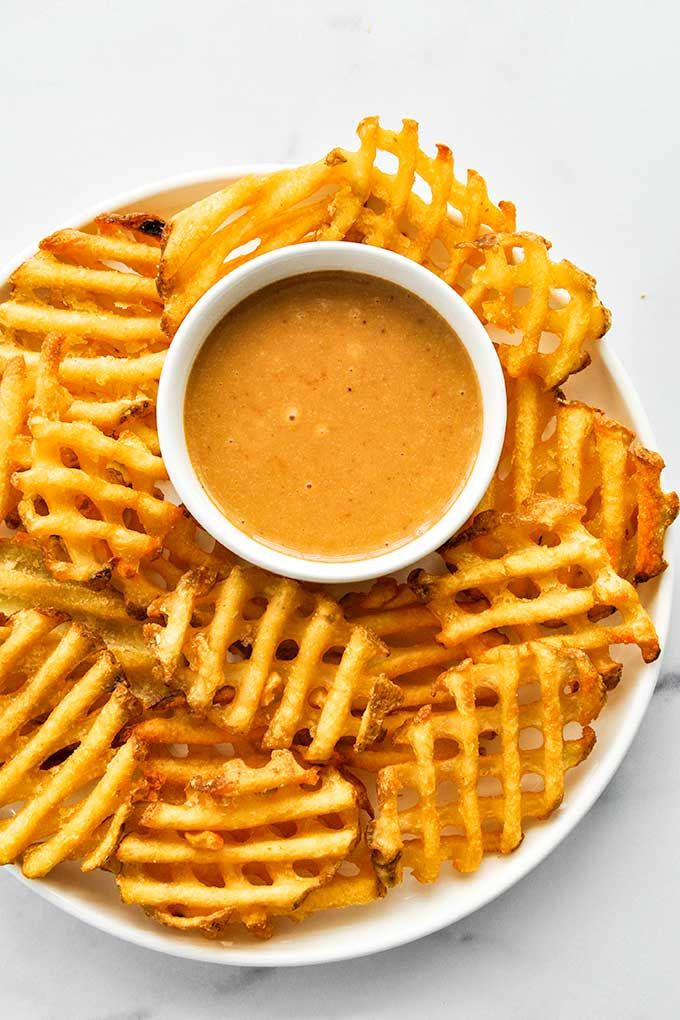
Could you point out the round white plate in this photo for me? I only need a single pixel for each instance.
(412, 910)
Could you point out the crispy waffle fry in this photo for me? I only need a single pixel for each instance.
(61, 708)
(98, 381)
(81, 509)
(227, 841)
(270, 649)
(97, 289)
(510, 755)
(93, 297)
(346, 195)
(395, 216)
(14, 440)
(395, 614)
(25, 581)
(185, 547)
(547, 311)
(255, 215)
(567, 449)
(537, 573)
(354, 884)
(91, 498)
(415, 660)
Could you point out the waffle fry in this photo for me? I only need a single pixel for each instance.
(270, 649)
(409, 630)
(237, 841)
(61, 708)
(14, 440)
(575, 452)
(354, 884)
(93, 288)
(91, 498)
(396, 217)
(537, 573)
(25, 582)
(508, 765)
(550, 308)
(415, 660)
(79, 512)
(346, 195)
(185, 547)
(547, 311)
(92, 298)
(206, 241)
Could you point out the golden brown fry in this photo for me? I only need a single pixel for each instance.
(507, 757)
(409, 630)
(14, 439)
(225, 841)
(395, 216)
(25, 581)
(96, 290)
(537, 573)
(61, 709)
(185, 547)
(550, 309)
(205, 241)
(81, 511)
(415, 660)
(547, 311)
(108, 410)
(269, 649)
(92, 499)
(354, 884)
(567, 449)
(344, 196)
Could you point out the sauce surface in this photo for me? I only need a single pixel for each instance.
(333, 415)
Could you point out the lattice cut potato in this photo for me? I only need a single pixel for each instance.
(68, 784)
(414, 662)
(257, 214)
(257, 649)
(92, 499)
(95, 288)
(478, 771)
(185, 547)
(95, 291)
(354, 884)
(537, 573)
(225, 839)
(567, 449)
(25, 582)
(545, 313)
(15, 393)
(420, 210)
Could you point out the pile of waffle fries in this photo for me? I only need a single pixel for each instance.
(235, 747)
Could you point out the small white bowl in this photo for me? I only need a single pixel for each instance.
(321, 256)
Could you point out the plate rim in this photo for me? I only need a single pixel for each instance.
(516, 867)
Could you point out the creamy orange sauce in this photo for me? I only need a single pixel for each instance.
(333, 415)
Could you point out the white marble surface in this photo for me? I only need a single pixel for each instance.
(570, 110)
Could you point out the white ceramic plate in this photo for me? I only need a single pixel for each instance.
(412, 910)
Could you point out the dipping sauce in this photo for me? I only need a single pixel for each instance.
(333, 415)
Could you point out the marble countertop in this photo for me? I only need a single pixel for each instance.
(570, 111)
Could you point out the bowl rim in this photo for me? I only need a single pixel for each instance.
(285, 264)
(516, 866)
